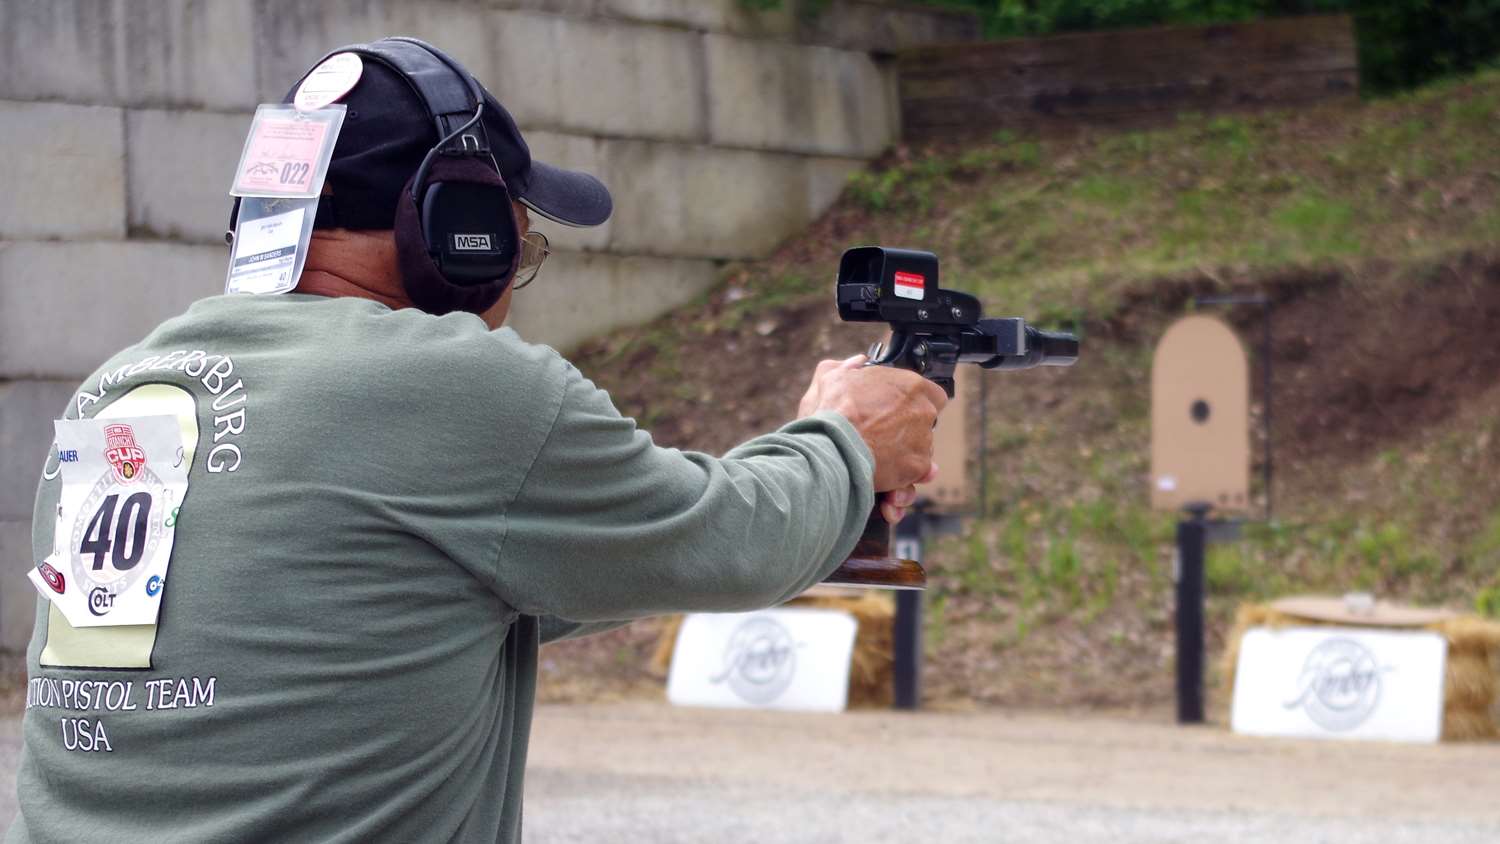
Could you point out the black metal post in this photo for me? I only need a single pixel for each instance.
(1265, 354)
(1192, 539)
(907, 647)
(984, 447)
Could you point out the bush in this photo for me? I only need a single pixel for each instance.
(1007, 18)
(1487, 602)
(1402, 43)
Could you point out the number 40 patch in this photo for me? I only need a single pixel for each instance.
(124, 479)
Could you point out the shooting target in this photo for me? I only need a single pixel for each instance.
(1200, 417)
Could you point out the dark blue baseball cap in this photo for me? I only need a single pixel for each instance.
(388, 130)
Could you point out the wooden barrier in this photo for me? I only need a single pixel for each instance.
(1130, 78)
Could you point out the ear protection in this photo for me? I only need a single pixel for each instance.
(456, 238)
(456, 235)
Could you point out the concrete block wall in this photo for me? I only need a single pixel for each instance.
(720, 131)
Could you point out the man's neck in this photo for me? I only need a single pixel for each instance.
(362, 264)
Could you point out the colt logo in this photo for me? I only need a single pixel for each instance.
(101, 600)
(1339, 685)
(760, 661)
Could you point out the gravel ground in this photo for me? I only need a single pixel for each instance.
(576, 807)
(645, 773)
(651, 773)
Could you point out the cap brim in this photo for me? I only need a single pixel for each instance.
(566, 196)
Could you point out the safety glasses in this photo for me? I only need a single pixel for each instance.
(533, 252)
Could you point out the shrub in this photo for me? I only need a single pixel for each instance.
(1402, 43)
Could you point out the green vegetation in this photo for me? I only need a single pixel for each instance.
(1066, 575)
(1067, 228)
(1402, 43)
(1009, 18)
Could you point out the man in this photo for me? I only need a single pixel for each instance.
(388, 511)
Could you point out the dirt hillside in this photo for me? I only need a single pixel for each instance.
(1374, 230)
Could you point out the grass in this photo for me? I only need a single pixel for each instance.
(1068, 572)
(1079, 222)
(1065, 231)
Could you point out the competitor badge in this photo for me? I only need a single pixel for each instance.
(116, 519)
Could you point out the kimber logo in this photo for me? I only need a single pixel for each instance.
(471, 243)
(1339, 685)
(760, 661)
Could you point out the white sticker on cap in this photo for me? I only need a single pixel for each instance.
(328, 81)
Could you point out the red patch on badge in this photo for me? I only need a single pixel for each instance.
(910, 285)
(53, 577)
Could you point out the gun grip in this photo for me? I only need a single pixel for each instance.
(872, 564)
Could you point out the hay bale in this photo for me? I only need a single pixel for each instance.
(666, 640)
(1470, 681)
(870, 667)
(1471, 692)
(1471, 633)
(1469, 725)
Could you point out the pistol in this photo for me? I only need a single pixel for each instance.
(932, 331)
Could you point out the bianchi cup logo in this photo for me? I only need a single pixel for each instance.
(124, 456)
(760, 661)
(1339, 685)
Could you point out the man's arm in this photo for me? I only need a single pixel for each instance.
(609, 527)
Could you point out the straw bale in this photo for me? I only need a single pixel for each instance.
(661, 658)
(1471, 684)
(870, 666)
(1471, 633)
(1469, 725)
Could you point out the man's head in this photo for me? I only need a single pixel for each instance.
(411, 117)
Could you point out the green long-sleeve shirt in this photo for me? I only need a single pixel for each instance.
(387, 513)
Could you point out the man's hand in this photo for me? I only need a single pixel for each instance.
(894, 411)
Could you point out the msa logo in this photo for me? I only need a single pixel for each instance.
(471, 243)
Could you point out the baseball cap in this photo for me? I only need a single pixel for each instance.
(386, 133)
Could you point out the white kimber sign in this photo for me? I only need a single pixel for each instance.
(776, 659)
(1339, 682)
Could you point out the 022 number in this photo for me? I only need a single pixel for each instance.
(294, 172)
(120, 536)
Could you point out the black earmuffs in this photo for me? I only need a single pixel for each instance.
(458, 249)
(456, 235)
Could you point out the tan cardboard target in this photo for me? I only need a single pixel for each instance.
(1200, 417)
(950, 450)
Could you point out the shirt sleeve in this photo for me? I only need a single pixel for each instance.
(609, 527)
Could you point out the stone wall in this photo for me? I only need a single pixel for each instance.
(719, 130)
